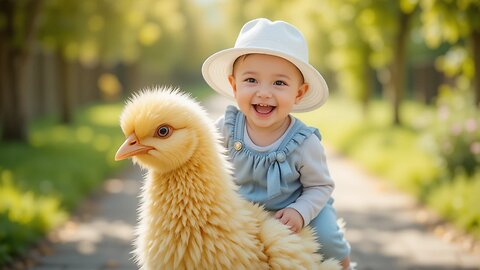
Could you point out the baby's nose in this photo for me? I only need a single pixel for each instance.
(264, 92)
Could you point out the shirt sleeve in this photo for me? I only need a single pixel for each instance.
(317, 183)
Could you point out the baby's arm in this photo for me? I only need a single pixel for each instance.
(315, 178)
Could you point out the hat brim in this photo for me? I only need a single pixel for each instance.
(218, 67)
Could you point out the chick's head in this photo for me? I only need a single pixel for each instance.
(163, 128)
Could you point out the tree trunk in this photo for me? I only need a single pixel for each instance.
(63, 89)
(12, 111)
(476, 61)
(40, 94)
(12, 117)
(367, 94)
(132, 80)
(13, 59)
(86, 84)
(398, 67)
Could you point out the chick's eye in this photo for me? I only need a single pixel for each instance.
(164, 131)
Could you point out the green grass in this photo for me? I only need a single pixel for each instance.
(399, 154)
(458, 201)
(44, 179)
(200, 91)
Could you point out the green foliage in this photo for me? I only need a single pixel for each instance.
(40, 182)
(456, 62)
(199, 91)
(456, 132)
(446, 20)
(452, 22)
(24, 217)
(108, 31)
(458, 201)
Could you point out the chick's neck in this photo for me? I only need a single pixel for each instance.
(195, 193)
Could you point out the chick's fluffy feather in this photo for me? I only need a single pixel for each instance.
(190, 215)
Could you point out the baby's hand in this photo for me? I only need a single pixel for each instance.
(291, 218)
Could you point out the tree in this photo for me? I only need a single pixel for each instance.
(354, 39)
(18, 27)
(398, 64)
(92, 33)
(100, 35)
(349, 55)
(385, 27)
(367, 37)
(96, 34)
(453, 21)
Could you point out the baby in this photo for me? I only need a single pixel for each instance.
(279, 162)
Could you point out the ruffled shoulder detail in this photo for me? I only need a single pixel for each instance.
(231, 114)
(297, 135)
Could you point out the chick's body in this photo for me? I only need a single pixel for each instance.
(190, 214)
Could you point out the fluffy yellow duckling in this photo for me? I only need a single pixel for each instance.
(190, 214)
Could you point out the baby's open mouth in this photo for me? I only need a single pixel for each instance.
(263, 109)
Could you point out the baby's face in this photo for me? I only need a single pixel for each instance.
(266, 88)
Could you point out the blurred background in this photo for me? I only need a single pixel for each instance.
(404, 78)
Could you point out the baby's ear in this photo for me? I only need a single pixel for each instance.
(231, 79)
(301, 92)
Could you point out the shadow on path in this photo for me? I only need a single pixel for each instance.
(100, 236)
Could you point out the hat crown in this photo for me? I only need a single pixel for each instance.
(277, 36)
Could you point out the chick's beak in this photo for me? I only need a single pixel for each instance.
(131, 147)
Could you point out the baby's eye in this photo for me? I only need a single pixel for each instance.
(250, 80)
(279, 83)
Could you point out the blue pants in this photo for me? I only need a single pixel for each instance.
(329, 234)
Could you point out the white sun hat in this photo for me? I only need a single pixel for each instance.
(276, 38)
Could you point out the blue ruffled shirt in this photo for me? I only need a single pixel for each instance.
(292, 172)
